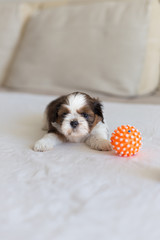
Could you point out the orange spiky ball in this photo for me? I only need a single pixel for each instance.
(126, 140)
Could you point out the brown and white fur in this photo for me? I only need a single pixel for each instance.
(76, 117)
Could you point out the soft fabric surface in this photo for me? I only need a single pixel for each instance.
(152, 58)
(74, 192)
(13, 16)
(10, 27)
(104, 46)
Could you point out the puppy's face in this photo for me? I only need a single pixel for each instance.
(75, 115)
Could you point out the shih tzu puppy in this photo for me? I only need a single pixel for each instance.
(76, 117)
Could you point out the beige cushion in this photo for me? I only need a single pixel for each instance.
(12, 19)
(102, 46)
(151, 70)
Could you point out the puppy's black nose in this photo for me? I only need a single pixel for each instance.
(74, 124)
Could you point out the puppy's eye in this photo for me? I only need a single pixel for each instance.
(85, 115)
(64, 114)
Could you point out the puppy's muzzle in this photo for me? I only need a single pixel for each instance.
(74, 124)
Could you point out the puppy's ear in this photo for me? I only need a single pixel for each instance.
(53, 108)
(98, 108)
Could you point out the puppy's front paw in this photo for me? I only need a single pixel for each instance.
(99, 144)
(43, 145)
(103, 145)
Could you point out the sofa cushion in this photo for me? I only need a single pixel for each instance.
(12, 19)
(151, 70)
(101, 46)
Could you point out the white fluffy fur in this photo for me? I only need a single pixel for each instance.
(47, 143)
(96, 139)
(78, 134)
(76, 102)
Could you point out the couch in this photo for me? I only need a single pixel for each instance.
(111, 50)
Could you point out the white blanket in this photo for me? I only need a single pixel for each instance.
(73, 192)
